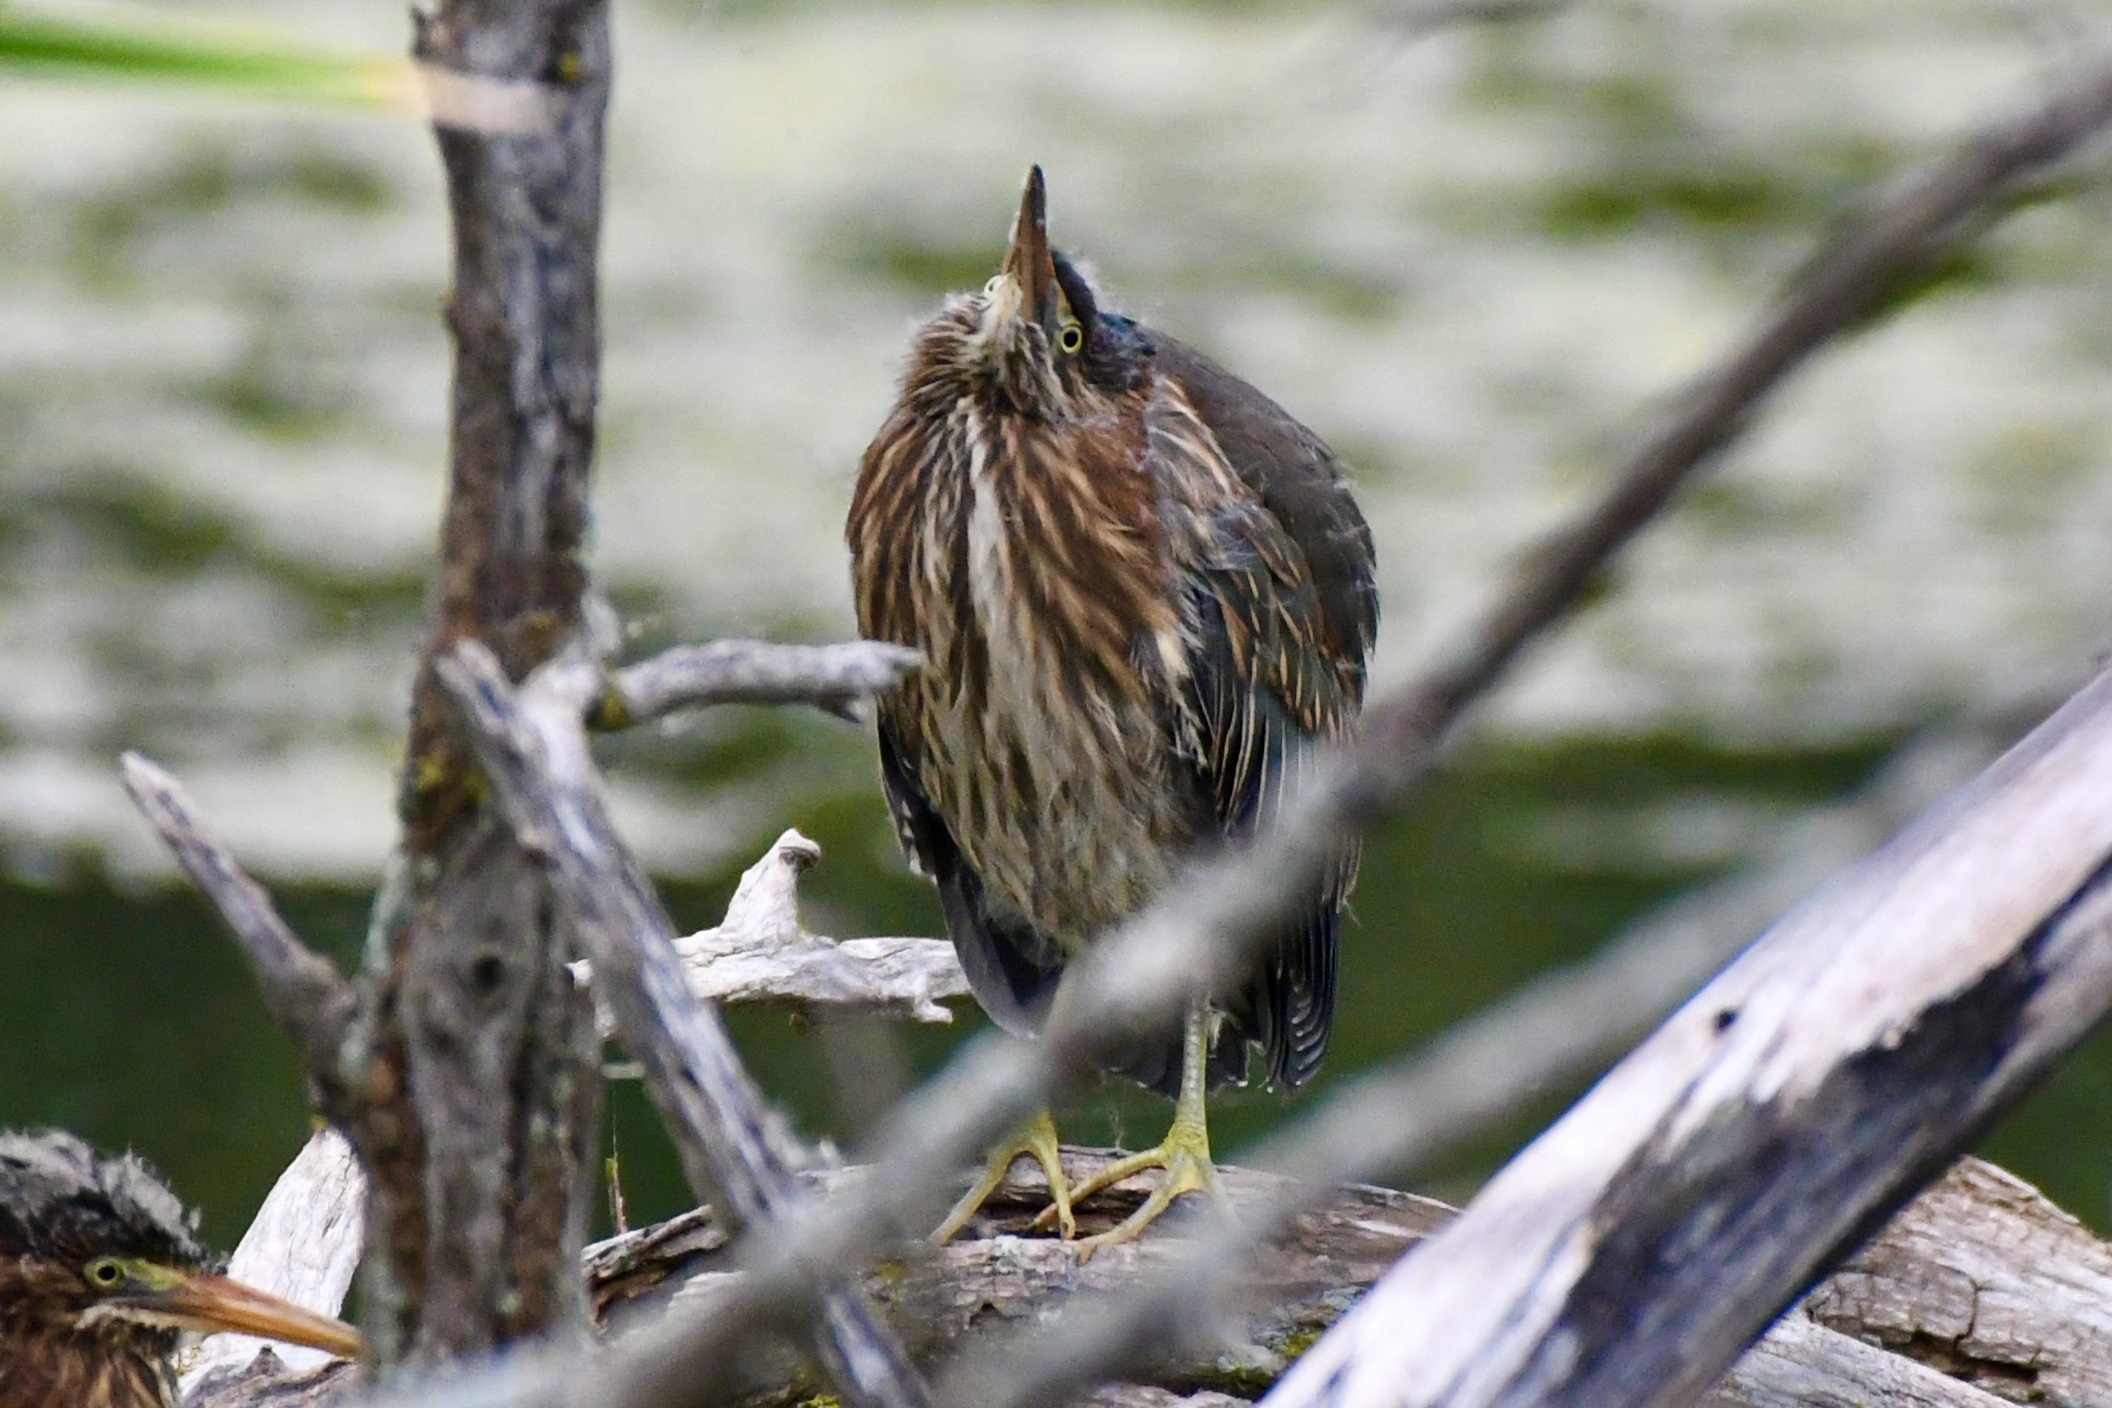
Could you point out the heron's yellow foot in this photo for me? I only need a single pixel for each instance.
(1037, 1139)
(1184, 1154)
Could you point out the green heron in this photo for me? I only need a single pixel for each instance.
(1144, 593)
(100, 1271)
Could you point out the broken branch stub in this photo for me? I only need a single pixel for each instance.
(760, 954)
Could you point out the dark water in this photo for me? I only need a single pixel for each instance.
(129, 1018)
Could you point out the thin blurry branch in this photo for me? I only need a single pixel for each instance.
(307, 997)
(832, 677)
(1421, 17)
(735, 1149)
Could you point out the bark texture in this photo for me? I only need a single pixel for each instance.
(472, 1092)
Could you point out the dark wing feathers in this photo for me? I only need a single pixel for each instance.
(1264, 699)
(1302, 485)
(1286, 612)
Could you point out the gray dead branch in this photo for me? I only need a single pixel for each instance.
(306, 995)
(837, 678)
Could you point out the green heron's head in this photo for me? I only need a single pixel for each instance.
(101, 1269)
(1034, 336)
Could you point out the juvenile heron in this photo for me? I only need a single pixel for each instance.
(100, 1271)
(1143, 591)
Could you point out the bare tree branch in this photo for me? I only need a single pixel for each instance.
(473, 1055)
(837, 678)
(305, 994)
(735, 1149)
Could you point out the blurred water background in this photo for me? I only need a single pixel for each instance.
(1475, 254)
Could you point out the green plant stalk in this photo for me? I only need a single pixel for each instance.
(158, 50)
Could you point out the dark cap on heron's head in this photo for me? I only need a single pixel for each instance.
(60, 1202)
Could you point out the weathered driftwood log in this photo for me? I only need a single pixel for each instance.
(1980, 1287)
(1985, 1279)
(304, 1244)
(1894, 1328)
(1631, 1252)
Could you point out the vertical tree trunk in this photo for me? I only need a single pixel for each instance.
(475, 1096)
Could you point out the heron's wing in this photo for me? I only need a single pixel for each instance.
(1262, 698)
(1302, 485)
(1283, 612)
(1008, 964)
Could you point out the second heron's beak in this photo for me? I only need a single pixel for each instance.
(1028, 262)
(212, 1304)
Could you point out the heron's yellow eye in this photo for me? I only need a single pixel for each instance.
(1071, 338)
(103, 1273)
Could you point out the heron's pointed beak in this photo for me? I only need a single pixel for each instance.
(212, 1304)
(1028, 261)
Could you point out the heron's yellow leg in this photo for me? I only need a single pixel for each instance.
(1037, 1139)
(1184, 1153)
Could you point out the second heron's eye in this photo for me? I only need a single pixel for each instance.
(1071, 338)
(104, 1272)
